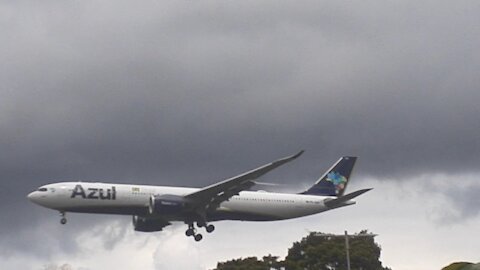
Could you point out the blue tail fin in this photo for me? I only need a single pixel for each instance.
(335, 180)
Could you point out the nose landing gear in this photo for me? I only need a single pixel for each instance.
(63, 220)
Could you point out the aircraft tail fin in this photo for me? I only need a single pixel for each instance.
(335, 180)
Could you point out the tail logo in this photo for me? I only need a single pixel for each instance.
(337, 180)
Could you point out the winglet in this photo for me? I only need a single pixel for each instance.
(289, 158)
(298, 154)
(277, 163)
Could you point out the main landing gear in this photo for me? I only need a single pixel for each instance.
(191, 231)
(63, 220)
(210, 228)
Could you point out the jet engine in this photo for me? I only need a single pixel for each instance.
(142, 224)
(167, 204)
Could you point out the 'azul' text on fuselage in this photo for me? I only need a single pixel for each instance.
(94, 193)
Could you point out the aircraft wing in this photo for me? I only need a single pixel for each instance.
(211, 196)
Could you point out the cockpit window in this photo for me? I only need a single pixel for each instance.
(42, 189)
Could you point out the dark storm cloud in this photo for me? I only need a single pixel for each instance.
(185, 93)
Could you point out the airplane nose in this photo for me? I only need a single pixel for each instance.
(31, 196)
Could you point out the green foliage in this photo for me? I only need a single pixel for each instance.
(250, 263)
(472, 267)
(325, 252)
(457, 266)
(318, 251)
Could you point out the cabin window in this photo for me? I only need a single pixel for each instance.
(42, 189)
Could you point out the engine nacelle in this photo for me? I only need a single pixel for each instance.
(167, 204)
(142, 224)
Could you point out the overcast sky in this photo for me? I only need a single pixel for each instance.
(189, 93)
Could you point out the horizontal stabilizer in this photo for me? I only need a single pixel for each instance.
(332, 203)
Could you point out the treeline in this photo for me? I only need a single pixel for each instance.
(462, 266)
(317, 251)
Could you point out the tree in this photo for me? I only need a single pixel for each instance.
(250, 263)
(317, 251)
(272, 262)
(456, 266)
(462, 266)
(324, 252)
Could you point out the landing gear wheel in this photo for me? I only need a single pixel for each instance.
(198, 237)
(190, 232)
(63, 221)
(210, 228)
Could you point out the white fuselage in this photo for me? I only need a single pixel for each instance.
(109, 198)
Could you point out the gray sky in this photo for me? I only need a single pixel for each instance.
(188, 93)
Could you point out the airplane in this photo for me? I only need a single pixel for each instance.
(154, 207)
